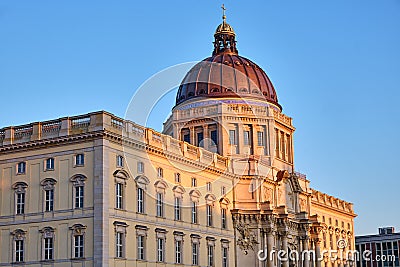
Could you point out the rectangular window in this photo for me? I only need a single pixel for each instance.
(50, 164)
(160, 205)
(79, 195)
(186, 138)
(178, 251)
(140, 167)
(232, 137)
(140, 200)
(209, 215)
(78, 246)
(120, 161)
(119, 245)
(177, 208)
(225, 257)
(200, 137)
(48, 248)
(260, 138)
(160, 173)
(19, 250)
(223, 190)
(140, 247)
(20, 203)
(177, 177)
(210, 255)
(119, 195)
(194, 212)
(49, 200)
(21, 168)
(223, 218)
(246, 138)
(160, 250)
(214, 137)
(194, 182)
(195, 254)
(208, 186)
(79, 160)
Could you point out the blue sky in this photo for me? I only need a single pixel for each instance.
(335, 66)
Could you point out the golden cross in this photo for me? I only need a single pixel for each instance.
(223, 11)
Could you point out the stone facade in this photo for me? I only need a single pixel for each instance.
(102, 154)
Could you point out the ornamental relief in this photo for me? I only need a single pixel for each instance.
(246, 238)
(268, 194)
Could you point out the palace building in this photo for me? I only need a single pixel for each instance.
(213, 189)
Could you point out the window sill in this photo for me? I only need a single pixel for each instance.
(79, 165)
(20, 173)
(78, 259)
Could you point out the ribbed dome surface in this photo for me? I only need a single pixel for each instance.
(227, 75)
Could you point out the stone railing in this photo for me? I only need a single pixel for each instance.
(99, 121)
(281, 117)
(330, 201)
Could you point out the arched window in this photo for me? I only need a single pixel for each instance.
(48, 185)
(120, 178)
(47, 243)
(141, 184)
(78, 182)
(20, 193)
(160, 186)
(19, 237)
(78, 240)
(210, 199)
(224, 204)
(194, 198)
(178, 196)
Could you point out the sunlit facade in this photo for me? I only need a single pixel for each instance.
(213, 189)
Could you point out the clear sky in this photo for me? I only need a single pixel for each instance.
(335, 66)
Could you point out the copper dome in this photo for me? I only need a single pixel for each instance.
(226, 74)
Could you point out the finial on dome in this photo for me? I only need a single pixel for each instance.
(223, 12)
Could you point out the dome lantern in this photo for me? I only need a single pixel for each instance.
(224, 37)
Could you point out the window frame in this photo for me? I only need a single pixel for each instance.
(119, 161)
(140, 247)
(194, 212)
(209, 215)
(119, 245)
(246, 138)
(160, 204)
(223, 218)
(177, 208)
(21, 168)
(51, 162)
(49, 200)
(210, 255)
(194, 182)
(80, 160)
(140, 167)
(160, 251)
(19, 237)
(260, 138)
(140, 200)
(160, 172)
(178, 251)
(232, 137)
(48, 242)
(119, 195)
